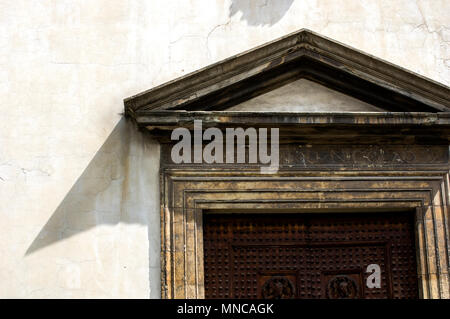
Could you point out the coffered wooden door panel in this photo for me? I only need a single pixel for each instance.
(309, 255)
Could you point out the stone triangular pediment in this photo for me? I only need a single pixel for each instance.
(361, 81)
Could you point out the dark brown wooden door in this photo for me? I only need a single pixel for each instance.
(309, 255)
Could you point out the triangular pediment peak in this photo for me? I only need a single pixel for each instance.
(300, 55)
(304, 96)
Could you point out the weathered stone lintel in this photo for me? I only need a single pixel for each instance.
(294, 156)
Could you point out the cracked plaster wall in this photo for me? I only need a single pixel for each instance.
(78, 185)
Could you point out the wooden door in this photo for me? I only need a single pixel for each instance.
(310, 255)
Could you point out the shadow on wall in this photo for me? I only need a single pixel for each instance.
(120, 185)
(260, 12)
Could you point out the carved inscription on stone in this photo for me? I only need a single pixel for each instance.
(375, 156)
(370, 155)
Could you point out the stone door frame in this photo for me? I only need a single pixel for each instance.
(186, 193)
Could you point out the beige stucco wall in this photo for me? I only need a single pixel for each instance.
(79, 211)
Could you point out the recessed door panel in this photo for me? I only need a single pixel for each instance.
(310, 256)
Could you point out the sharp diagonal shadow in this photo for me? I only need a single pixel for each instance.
(260, 12)
(120, 185)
